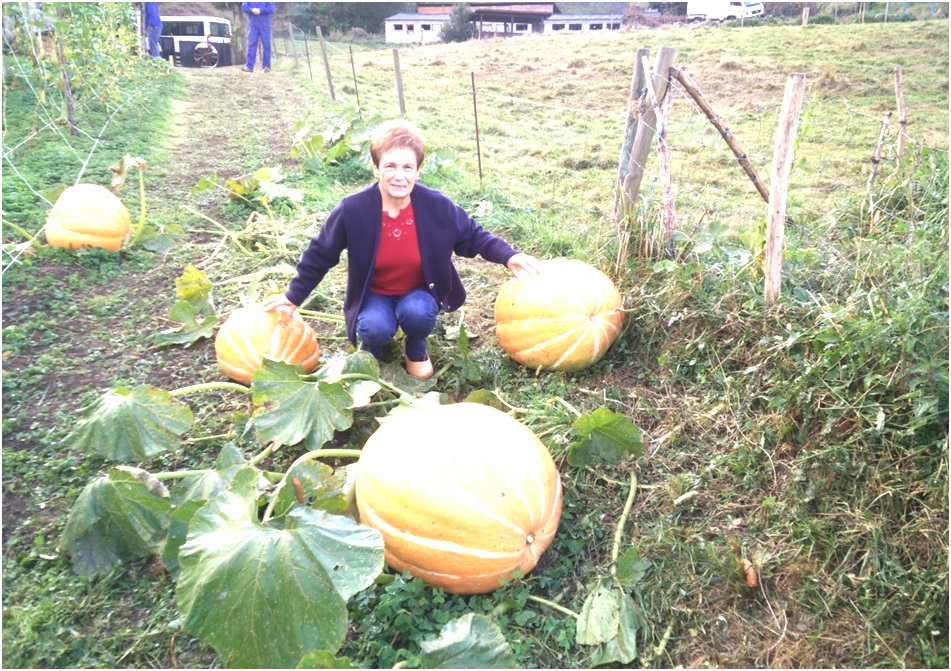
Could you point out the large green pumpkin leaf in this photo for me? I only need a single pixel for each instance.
(231, 473)
(296, 410)
(124, 425)
(358, 363)
(623, 647)
(117, 517)
(599, 619)
(322, 659)
(469, 642)
(190, 328)
(606, 435)
(263, 597)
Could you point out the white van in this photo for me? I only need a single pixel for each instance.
(196, 41)
(723, 11)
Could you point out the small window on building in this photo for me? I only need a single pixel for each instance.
(410, 27)
(557, 26)
(397, 26)
(615, 26)
(427, 26)
(521, 27)
(574, 26)
(596, 26)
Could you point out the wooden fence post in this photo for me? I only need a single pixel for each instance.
(323, 51)
(646, 125)
(691, 88)
(902, 115)
(805, 16)
(399, 80)
(630, 126)
(779, 183)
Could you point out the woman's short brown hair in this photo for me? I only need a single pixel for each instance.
(397, 134)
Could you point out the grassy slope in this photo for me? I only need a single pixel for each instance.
(836, 592)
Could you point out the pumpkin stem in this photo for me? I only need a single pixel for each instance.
(209, 386)
(619, 532)
(304, 458)
(553, 605)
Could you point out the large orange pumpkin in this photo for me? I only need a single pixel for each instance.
(88, 215)
(251, 333)
(564, 318)
(463, 495)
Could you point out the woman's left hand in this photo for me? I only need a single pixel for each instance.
(523, 266)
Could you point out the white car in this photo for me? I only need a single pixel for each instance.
(723, 11)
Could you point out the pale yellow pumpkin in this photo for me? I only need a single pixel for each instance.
(564, 318)
(88, 215)
(463, 495)
(251, 333)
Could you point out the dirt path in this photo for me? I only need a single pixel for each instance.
(231, 122)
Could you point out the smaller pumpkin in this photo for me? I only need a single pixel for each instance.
(564, 318)
(88, 215)
(252, 333)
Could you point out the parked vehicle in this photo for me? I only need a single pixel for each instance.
(197, 41)
(723, 11)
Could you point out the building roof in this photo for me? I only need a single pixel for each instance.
(585, 17)
(406, 16)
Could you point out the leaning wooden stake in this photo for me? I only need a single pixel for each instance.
(399, 80)
(630, 126)
(662, 112)
(475, 112)
(646, 126)
(353, 69)
(779, 181)
(877, 155)
(323, 51)
(691, 88)
(902, 115)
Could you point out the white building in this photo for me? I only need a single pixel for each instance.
(498, 20)
(582, 23)
(414, 28)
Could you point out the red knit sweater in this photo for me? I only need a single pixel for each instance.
(398, 269)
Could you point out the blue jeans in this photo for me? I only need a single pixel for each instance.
(380, 316)
(154, 33)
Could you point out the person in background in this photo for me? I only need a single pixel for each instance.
(400, 237)
(259, 30)
(153, 27)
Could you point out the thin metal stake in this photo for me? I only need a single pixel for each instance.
(475, 110)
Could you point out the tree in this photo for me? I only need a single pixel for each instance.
(343, 16)
(459, 28)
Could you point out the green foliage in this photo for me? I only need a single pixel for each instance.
(340, 139)
(459, 28)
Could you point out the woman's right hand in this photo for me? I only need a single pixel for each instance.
(280, 303)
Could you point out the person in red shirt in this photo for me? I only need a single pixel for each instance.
(400, 237)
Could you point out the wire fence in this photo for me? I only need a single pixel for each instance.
(559, 142)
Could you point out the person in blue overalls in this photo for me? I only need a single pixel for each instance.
(259, 30)
(153, 27)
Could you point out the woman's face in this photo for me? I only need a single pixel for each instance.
(397, 172)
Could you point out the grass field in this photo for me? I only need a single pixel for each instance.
(809, 438)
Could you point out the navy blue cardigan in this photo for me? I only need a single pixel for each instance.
(442, 228)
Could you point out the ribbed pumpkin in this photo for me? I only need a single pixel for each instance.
(88, 215)
(564, 318)
(463, 495)
(251, 333)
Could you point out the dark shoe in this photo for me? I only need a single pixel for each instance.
(245, 68)
(419, 369)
